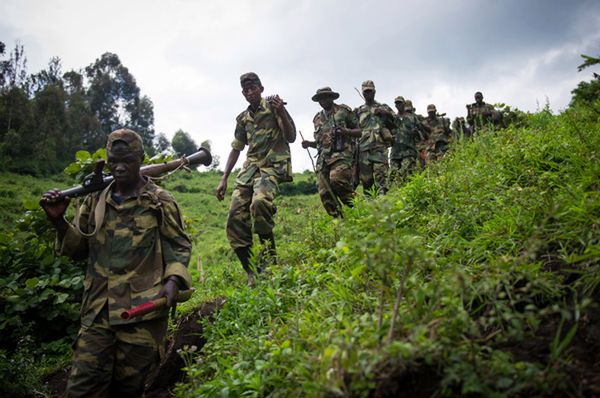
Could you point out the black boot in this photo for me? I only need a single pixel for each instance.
(243, 253)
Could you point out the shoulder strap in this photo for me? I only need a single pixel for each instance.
(99, 212)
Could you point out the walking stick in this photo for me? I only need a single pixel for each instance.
(338, 203)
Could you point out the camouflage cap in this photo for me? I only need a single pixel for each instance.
(129, 137)
(399, 99)
(408, 105)
(325, 92)
(250, 77)
(368, 85)
(431, 108)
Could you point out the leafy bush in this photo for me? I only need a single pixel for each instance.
(40, 292)
(39, 302)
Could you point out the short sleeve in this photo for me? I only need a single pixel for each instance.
(240, 139)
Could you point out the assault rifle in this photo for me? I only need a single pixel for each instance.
(98, 180)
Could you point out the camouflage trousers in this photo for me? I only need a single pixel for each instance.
(250, 203)
(400, 169)
(339, 178)
(373, 173)
(435, 151)
(115, 361)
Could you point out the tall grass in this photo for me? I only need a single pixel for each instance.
(472, 255)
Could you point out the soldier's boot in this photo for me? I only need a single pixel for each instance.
(244, 253)
(268, 255)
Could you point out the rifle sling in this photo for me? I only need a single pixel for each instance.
(99, 212)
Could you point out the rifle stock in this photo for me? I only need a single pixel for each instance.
(97, 181)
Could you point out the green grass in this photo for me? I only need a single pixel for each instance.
(15, 189)
(472, 255)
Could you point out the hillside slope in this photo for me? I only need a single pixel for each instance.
(479, 277)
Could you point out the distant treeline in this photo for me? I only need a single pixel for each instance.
(46, 117)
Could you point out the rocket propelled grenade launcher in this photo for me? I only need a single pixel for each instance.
(97, 181)
(154, 305)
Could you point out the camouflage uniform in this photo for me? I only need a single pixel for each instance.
(376, 138)
(268, 162)
(423, 135)
(140, 242)
(403, 154)
(439, 135)
(460, 130)
(334, 167)
(480, 115)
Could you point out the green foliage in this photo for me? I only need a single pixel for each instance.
(47, 116)
(587, 93)
(473, 255)
(85, 163)
(183, 144)
(40, 292)
(39, 302)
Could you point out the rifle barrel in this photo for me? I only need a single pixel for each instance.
(202, 156)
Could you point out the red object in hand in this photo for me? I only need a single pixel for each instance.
(144, 308)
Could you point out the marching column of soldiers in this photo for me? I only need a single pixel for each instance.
(371, 145)
(377, 147)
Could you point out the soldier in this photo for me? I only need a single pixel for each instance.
(460, 129)
(267, 128)
(480, 114)
(137, 250)
(376, 121)
(439, 134)
(403, 154)
(335, 128)
(421, 140)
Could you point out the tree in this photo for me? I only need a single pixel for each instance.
(162, 143)
(114, 99)
(183, 144)
(587, 92)
(81, 122)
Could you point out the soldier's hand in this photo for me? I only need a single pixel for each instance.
(382, 112)
(54, 206)
(170, 290)
(306, 144)
(221, 189)
(277, 102)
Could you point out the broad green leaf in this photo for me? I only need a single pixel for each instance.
(32, 282)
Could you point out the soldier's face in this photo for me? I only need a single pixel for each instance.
(431, 114)
(252, 92)
(326, 103)
(369, 95)
(478, 98)
(124, 164)
(400, 106)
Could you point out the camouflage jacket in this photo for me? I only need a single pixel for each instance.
(479, 115)
(406, 135)
(140, 242)
(324, 134)
(373, 127)
(460, 128)
(439, 129)
(268, 150)
(418, 121)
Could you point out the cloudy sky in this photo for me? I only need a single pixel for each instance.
(187, 55)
